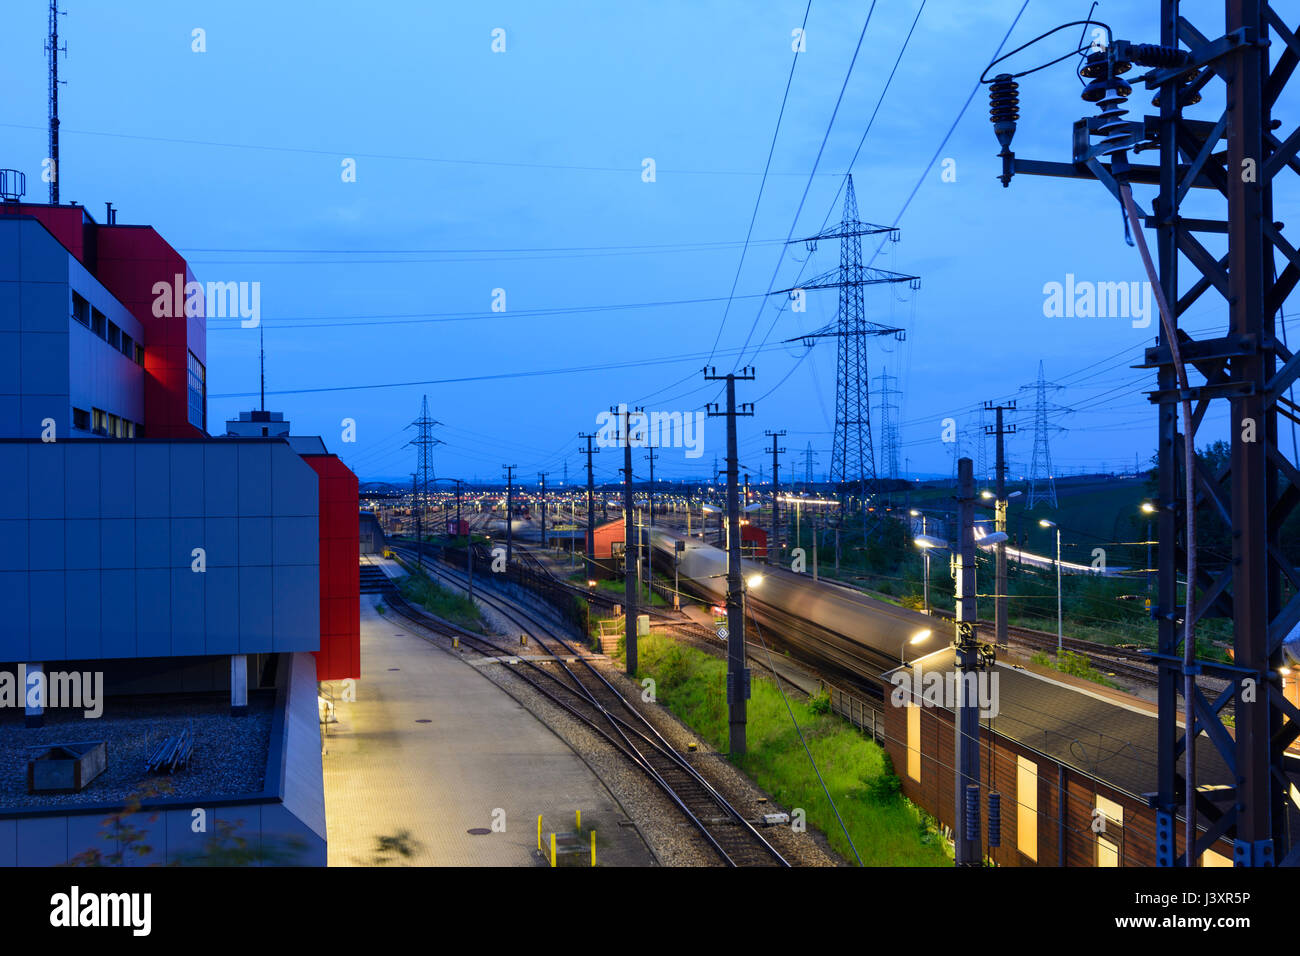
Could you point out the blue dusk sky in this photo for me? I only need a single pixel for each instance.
(524, 170)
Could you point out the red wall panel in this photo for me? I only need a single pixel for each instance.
(339, 656)
(131, 260)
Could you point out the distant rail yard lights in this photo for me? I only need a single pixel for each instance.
(1044, 523)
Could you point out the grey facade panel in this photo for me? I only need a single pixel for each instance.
(84, 579)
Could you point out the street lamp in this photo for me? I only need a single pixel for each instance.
(926, 543)
(920, 637)
(1044, 523)
(926, 547)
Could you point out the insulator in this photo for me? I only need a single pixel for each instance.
(1185, 97)
(1004, 107)
(995, 818)
(1100, 87)
(1098, 64)
(972, 811)
(1151, 54)
(1004, 98)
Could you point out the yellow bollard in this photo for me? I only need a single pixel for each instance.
(593, 847)
(552, 850)
(577, 817)
(455, 641)
(539, 833)
(523, 640)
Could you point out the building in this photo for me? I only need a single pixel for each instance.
(1074, 763)
(197, 587)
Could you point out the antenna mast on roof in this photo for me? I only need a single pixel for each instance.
(261, 359)
(53, 50)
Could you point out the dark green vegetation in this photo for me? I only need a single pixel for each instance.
(419, 588)
(886, 829)
(615, 587)
(1076, 665)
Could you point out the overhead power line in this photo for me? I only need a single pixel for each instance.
(631, 168)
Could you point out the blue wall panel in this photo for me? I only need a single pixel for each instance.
(221, 607)
(45, 544)
(254, 478)
(16, 600)
(84, 628)
(48, 630)
(82, 550)
(188, 619)
(117, 543)
(117, 613)
(13, 544)
(256, 628)
(153, 611)
(76, 585)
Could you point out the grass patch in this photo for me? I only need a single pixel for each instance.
(1076, 665)
(615, 586)
(419, 588)
(886, 829)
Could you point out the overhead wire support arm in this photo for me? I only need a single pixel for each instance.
(1243, 374)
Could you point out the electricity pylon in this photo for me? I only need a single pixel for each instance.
(852, 458)
(1042, 483)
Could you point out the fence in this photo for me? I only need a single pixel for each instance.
(860, 713)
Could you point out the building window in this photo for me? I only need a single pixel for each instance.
(1109, 817)
(139, 354)
(114, 336)
(914, 741)
(198, 394)
(128, 346)
(1027, 807)
(1211, 858)
(81, 309)
(81, 419)
(98, 322)
(99, 421)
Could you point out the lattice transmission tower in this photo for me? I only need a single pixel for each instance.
(852, 458)
(888, 425)
(1042, 482)
(424, 443)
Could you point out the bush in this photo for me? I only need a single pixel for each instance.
(885, 787)
(820, 702)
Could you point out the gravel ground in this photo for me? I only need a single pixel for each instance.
(230, 753)
(672, 840)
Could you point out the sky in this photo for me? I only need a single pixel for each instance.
(518, 177)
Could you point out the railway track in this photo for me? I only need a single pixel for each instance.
(1119, 661)
(587, 695)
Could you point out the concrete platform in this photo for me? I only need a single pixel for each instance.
(481, 752)
(387, 565)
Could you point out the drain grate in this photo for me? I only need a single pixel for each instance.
(478, 831)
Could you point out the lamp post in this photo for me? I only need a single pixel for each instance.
(923, 543)
(1044, 523)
